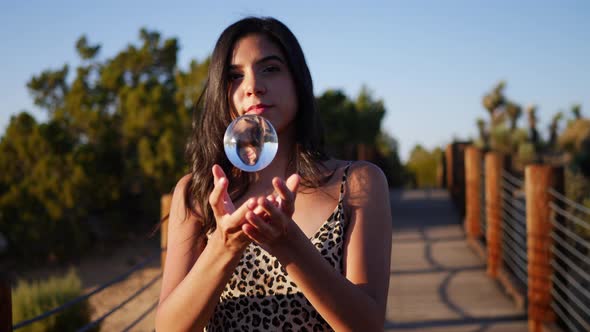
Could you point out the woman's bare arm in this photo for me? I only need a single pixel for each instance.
(195, 273)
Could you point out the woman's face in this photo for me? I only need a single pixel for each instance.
(249, 153)
(249, 140)
(261, 82)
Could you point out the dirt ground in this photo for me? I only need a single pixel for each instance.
(107, 265)
(99, 271)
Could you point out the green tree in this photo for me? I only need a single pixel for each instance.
(43, 188)
(423, 165)
(350, 123)
(352, 130)
(369, 113)
(389, 161)
(114, 142)
(339, 119)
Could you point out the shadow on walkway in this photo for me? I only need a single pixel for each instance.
(437, 282)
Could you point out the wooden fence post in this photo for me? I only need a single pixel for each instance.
(165, 202)
(455, 153)
(5, 304)
(472, 192)
(449, 168)
(441, 171)
(538, 179)
(494, 165)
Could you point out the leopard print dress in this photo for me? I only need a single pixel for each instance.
(260, 295)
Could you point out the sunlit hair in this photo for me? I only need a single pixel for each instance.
(214, 114)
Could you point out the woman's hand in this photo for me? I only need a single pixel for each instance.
(229, 220)
(269, 221)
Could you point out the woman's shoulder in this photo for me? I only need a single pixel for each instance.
(179, 208)
(357, 170)
(180, 189)
(363, 179)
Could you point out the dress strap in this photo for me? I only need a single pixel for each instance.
(344, 177)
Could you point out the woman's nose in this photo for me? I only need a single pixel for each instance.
(254, 86)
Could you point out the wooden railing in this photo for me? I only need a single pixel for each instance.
(520, 224)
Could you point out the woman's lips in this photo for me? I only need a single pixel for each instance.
(257, 109)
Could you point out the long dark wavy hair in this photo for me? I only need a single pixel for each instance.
(214, 114)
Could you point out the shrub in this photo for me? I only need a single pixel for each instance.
(526, 153)
(424, 165)
(31, 299)
(577, 189)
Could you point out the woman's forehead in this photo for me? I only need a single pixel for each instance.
(254, 48)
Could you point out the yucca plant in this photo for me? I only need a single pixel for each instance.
(514, 111)
(483, 142)
(494, 99)
(553, 130)
(500, 139)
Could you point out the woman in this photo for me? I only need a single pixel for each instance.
(249, 153)
(250, 138)
(252, 251)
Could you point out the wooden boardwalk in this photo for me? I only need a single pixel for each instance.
(437, 282)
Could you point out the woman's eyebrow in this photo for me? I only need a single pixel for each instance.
(271, 57)
(264, 59)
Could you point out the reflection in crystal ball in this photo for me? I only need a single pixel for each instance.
(250, 142)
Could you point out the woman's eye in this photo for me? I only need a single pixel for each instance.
(235, 76)
(272, 69)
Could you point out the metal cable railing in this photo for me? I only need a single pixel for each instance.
(568, 241)
(94, 323)
(514, 235)
(518, 220)
(513, 179)
(569, 202)
(514, 203)
(97, 290)
(571, 262)
(141, 317)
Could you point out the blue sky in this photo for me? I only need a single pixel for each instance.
(430, 61)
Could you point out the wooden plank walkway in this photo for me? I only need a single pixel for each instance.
(437, 282)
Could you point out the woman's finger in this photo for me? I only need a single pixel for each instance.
(237, 217)
(253, 234)
(276, 215)
(293, 184)
(286, 196)
(264, 229)
(260, 224)
(258, 210)
(271, 198)
(218, 174)
(216, 198)
(281, 188)
(278, 218)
